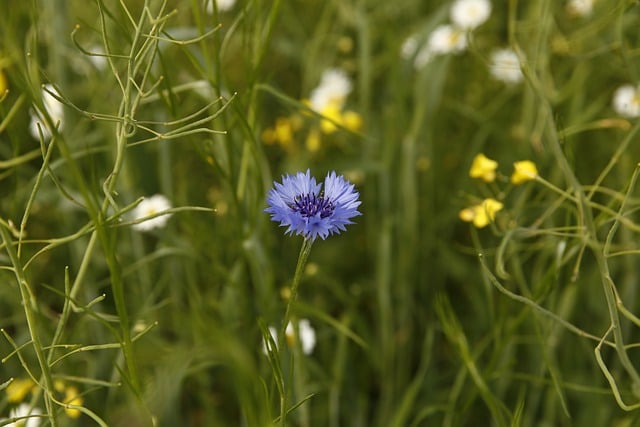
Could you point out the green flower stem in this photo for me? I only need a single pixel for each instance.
(302, 260)
(29, 305)
(585, 219)
(140, 60)
(305, 250)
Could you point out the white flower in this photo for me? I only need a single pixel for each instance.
(334, 87)
(98, 60)
(24, 410)
(580, 7)
(423, 56)
(447, 39)
(52, 109)
(470, 14)
(204, 89)
(149, 207)
(505, 66)
(307, 335)
(274, 335)
(443, 40)
(409, 47)
(222, 5)
(626, 101)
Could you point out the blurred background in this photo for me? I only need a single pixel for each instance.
(470, 292)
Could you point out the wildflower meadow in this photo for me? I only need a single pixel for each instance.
(319, 213)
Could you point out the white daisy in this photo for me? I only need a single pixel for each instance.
(470, 14)
(423, 57)
(25, 410)
(149, 207)
(443, 40)
(307, 335)
(580, 7)
(98, 60)
(274, 335)
(626, 101)
(447, 39)
(505, 66)
(52, 109)
(334, 87)
(409, 47)
(222, 5)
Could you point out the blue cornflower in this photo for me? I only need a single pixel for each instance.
(301, 204)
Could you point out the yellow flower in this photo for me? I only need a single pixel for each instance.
(3, 83)
(284, 131)
(352, 121)
(333, 116)
(523, 171)
(72, 397)
(281, 132)
(18, 389)
(483, 168)
(269, 136)
(483, 214)
(313, 140)
(467, 214)
(59, 385)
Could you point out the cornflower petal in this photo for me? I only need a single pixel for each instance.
(299, 204)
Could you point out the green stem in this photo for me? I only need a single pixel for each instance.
(585, 218)
(305, 250)
(140, 59)
(29, 305)
(302, 260)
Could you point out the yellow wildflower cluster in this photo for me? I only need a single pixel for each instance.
(481, 214)
(334, 116)
(283, 131)
(484, 168)
(327, 101)
(523, 171)
(71, 397)
(4, 85)
(19, 388)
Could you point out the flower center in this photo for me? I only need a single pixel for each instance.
(309, 205)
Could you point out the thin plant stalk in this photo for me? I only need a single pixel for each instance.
(29, 305)
(305, 250)
(302, 260)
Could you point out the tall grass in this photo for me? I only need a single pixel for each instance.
(420, 318)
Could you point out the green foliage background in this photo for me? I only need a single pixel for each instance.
(414, 328)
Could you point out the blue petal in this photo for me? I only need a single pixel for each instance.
(339, 195)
